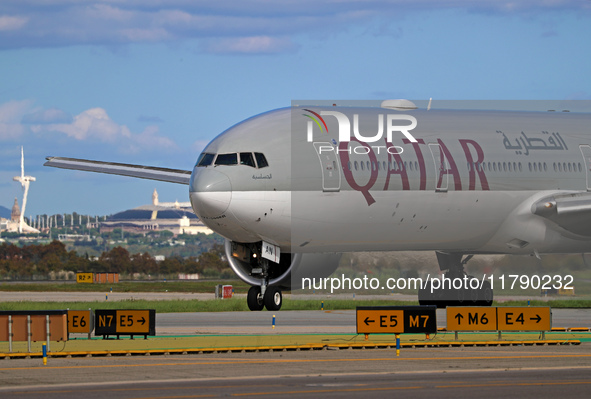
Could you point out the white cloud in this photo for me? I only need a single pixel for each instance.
(95, 125)
(50, 115)
(20, 120)
(10, 23)
(11, 114)
(250, 45)
(238, 26)
(90, 124)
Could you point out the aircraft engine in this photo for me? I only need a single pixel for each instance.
(244, 259)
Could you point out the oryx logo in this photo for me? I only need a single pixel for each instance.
(318, 119)
(390, 121)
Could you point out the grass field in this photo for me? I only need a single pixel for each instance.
(239, 304)
(201, 286)
(226, 305)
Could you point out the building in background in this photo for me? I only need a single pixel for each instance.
(12, 225)
(177, 217)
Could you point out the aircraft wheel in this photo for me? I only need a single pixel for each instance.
(254, 298)
(487, 294)
(273, 298)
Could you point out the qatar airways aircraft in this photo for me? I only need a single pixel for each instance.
(294, 188)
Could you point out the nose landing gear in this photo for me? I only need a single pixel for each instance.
(272, 299)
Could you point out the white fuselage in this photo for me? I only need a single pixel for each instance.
(468, 185)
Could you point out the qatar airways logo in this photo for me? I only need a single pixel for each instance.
(392, 123)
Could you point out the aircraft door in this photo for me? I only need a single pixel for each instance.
(440, 167)
(330, 166)
(586, 151)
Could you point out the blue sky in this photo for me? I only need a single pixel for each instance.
(152, 81)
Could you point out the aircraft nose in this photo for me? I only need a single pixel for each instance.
(211, 193)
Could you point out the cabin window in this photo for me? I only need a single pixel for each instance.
(362, 165)
(247, 159)
(261, 160)
(356, 165)
(205, 159)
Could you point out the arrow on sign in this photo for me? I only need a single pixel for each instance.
(536, 319)
(459, 316)
(143, 320)
(367, 321)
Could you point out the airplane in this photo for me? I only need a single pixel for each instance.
(294, 188)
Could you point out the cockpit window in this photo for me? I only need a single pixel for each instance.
(205, 159)
(227, 159)
(247, 159)
(261, 160)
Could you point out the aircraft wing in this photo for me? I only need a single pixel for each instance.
(143, 172)
(572, 212)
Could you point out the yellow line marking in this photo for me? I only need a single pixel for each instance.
(179, 397)
(148, 388)
(324, 391)
(278, 361)
(513, 384)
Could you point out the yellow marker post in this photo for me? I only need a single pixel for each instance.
(44, 346)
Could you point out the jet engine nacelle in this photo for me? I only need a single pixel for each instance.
(288, 273)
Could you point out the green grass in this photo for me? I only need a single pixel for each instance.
(201, 286)
(211, 305)
(239, 304)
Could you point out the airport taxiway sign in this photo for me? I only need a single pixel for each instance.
(523, 318)
(80, 321)
(471, 318)
(85, 278)
(396, 319)
(125, 322)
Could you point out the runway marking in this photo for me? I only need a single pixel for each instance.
(324, 391)
(278, 361)
(180, 397)
(49, 391)
(513, 384)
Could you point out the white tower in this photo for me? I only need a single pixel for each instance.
(25, 181)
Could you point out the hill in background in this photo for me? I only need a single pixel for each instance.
(4, 212)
